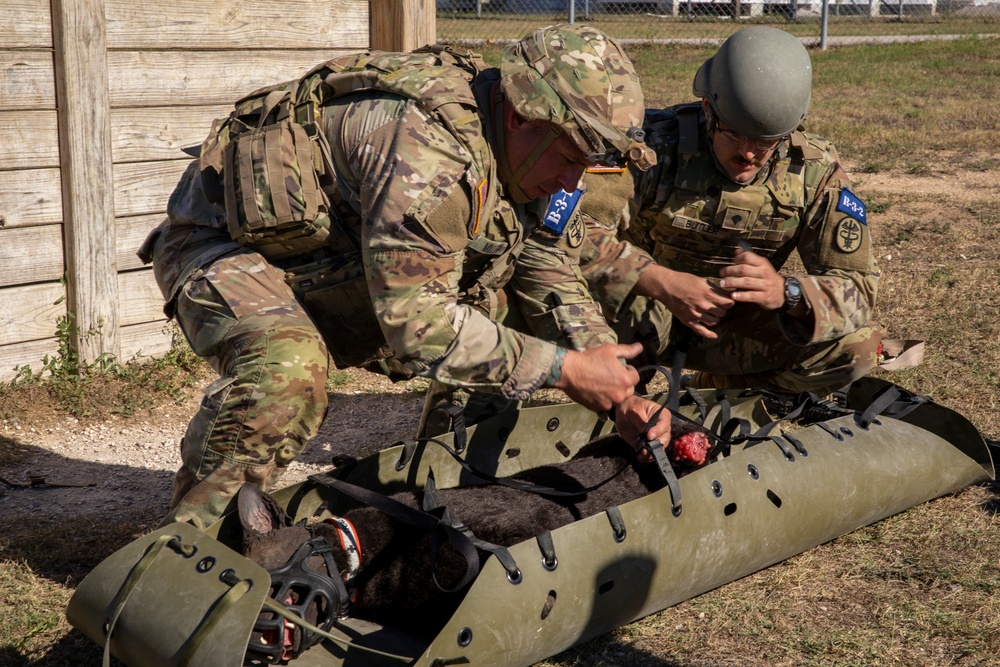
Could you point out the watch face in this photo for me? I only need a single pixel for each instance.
(793, 294)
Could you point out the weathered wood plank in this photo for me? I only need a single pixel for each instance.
(159, 133)
(145, 187)
(30, 255)
(403, 25)
(29, 313)
(78, 35)
(237, 24)
(30, 139)
(27, 24)
(159, 78)
(25, 354)
(131, 233)
(140, 298)
(27, 80)
(144, 341)
(138, 342)
(30, 197)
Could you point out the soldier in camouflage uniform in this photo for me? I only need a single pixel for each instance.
(737, 187)
(372, 212)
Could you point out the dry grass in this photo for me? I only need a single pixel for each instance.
(918, 124)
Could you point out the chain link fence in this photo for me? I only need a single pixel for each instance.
(478, 22)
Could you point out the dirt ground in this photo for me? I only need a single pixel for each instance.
(127, 464)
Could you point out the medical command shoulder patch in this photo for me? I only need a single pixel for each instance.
(848, 235)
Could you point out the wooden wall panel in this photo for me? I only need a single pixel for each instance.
(131, 233)
(159, 133)
(31, 255)
(29, 313)
(27, 24)
(166, 78)
(26, 80)
(28, 354)
(139, 298)
(145, 187)
(142, 341)
(237, 24)
(30, 197)
(29, 139)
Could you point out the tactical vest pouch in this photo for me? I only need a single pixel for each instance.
(337, 298)
(265, 163)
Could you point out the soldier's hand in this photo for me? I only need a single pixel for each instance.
(632, 415)
(752, 279)
(598, 378)
(696, 302)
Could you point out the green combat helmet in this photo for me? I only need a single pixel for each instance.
(580, 80)
(759, 82)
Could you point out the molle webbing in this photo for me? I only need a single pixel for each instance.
(688, 120)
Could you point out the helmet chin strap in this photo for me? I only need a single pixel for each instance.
(512, 181)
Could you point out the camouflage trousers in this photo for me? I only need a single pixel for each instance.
(751, 350)
(270, 398)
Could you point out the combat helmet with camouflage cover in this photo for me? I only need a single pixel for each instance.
(759, 83)
(580, 80)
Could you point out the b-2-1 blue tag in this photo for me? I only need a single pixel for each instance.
(852, 206)
(560, 210)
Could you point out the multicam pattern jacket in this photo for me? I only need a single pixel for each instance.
(688, 216)
(420, 221)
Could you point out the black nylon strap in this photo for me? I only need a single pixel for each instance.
(537, 489)
(548, 549)
(617, 522)
(669, 476)
(892, 402)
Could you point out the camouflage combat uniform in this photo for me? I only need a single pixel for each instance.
(406, 269)
(689, 217)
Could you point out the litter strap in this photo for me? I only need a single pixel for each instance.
(538, 489)
(282, 611)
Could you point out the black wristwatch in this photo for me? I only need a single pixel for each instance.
(793, 294)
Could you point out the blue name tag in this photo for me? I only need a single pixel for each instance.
(561, 208)
(852, 206)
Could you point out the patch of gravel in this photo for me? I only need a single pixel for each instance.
(127, 465)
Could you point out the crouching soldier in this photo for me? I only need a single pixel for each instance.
(372, 212)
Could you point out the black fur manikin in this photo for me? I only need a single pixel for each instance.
(396, 576)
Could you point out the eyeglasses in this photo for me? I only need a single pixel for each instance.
(737, 140)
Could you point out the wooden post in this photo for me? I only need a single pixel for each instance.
(79, 35)
(402, 25)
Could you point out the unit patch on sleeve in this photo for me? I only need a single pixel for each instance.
(561, 208)
(852, 206)
(848, 235)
